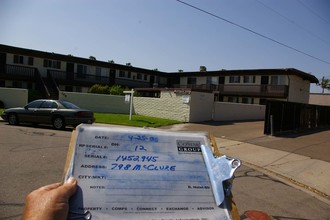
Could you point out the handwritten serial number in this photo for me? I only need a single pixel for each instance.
(137, 158)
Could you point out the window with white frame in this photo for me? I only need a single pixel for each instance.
(123, 74)
(19, 59)
(52, 64)
(249, 79)
(234, 79)
(278, 80)
(139, 76)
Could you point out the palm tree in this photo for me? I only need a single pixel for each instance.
(325, 84)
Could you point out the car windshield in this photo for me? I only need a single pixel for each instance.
(68, 105)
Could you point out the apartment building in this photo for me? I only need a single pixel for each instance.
(50, 73)
(252, 86)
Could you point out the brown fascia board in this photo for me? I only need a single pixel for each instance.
(70, 58)
(260, 72)
(73, 59)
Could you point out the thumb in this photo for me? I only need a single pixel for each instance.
(69, 187)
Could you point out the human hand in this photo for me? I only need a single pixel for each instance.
(50, 202)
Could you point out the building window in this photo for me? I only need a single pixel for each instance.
(139, 76)
(78, 89)
(52, 64)
(234, 79)
(30, 61)
(249, 79)
(145, 77)
(81, 71)
(233, 99)
(121, 74)
(247, 100)
(209, 80)
(98, 73)
(18, 59)
(192, 81)
(277, 80)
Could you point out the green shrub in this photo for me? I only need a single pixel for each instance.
(99, 89)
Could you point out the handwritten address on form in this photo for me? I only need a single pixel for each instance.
(130, 173)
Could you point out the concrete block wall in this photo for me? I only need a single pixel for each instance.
(170, 105)
(13, 97)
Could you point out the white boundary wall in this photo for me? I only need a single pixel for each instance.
(193, 107)
(13, 97)
(225, 111)
(97, 102)
(201, 106)
(319, 99)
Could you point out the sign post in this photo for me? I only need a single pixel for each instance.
(130, 98)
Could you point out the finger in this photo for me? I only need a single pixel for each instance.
(50, 186)
(69, 187)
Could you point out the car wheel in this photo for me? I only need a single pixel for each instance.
(12, 119)
(58, 123)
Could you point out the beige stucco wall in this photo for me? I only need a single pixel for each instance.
(319, 99)
(225, 111)
(170, 105)
(13, 97)
(97, 102)
(201, 106)
(298, 90)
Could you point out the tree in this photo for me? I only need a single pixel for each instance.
(117, 90)
(324, 84)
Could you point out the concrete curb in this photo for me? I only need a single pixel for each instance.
(311, 174)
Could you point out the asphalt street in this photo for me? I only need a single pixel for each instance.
(34, 156)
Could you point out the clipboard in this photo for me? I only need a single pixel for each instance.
(134, 173)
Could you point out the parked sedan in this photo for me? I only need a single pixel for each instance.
(44, 111)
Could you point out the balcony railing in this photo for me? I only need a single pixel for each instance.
(14, 72)
(77, 78)
(270, 91)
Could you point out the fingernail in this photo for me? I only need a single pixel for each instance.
(71, 180)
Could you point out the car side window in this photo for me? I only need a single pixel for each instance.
(48, 104)
(34, 104)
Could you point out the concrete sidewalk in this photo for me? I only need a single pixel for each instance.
(300, 161)
(311, 175)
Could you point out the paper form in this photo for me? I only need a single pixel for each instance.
(132, 173)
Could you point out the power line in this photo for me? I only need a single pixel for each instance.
(291, 21)
(254, 32)
(313, 12)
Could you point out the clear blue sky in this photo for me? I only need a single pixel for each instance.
(168, 35)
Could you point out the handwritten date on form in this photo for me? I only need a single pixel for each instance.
(132, 173)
